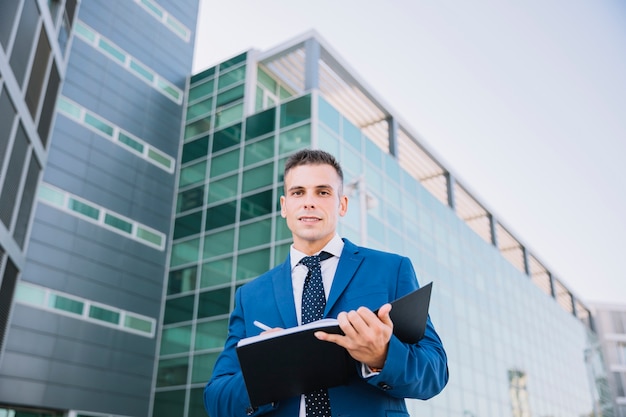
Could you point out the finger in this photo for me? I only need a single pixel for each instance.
(346, 325)
(383, 314)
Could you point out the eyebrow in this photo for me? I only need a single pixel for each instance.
(317, 187)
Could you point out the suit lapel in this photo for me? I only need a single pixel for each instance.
(348, 264)
(283, 293)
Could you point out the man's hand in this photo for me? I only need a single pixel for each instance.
(366, 335)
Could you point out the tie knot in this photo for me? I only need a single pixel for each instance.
(311, 261)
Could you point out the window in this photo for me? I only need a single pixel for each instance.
(198, 127)
(225, 163)
(140, 324)
(178, 309)
(99, 124)
(230, 96)
(258, 177)
(118, 223)
(26, 205)
(219, 243)
(131, 64)
(226, 116)
(84, 209)
(203, 366)
(195, 149)
(26, 31)
(117, 135)
(182, 280)
(257, 205)
(67, 304)
(172, 372)
(192, 174)
(7, 116)
(216, 272)
(225, 138)
(188, 225)
(231, 77)
(13, 176)
(190, 199)
(214, 303)
(141, 70)
(201, 90)
(52, 300)
(260, 123)
(222, 189)
(255, 234)
(251, 265)
(104, 314)
(175, 340)
(259, 151)
(204, 107)
(221, 215)
(92, 212)
(211, 334)
(8, 11)
(185, 252)
(294, 139)
(295, 111)
(112, 50)
(38, 74)
(47, 110)
(130, 142)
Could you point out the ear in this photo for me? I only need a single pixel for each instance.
(283, 212)
(343, 205)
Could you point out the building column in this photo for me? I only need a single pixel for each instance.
(312, 58)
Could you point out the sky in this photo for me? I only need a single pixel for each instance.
(524, 102)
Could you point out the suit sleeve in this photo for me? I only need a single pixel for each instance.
(225, 394)
(413, 370)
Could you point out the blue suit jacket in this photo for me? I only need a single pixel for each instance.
(364, 277)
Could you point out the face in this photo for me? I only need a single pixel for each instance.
(312, 205)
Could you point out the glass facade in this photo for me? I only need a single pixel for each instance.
(610, 320)
(512, 339)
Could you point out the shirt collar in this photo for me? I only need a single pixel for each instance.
(334, 247)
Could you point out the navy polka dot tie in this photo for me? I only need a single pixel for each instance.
(313, 305)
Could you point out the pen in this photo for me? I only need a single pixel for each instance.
(261, 325)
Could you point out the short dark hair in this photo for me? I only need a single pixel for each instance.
(313, 157)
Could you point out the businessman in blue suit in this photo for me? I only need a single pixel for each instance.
(356, 282)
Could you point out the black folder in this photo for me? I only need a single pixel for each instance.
(290, 362)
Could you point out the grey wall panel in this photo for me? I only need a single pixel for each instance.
(105, 267)
(108, 175)
(126, 101)
(45, 354)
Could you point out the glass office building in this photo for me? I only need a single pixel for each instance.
(135, 199)
(515, 335)
(91, 106)
(610, 324)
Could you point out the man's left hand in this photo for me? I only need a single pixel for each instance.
(366, 335)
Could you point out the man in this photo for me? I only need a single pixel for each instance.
(356, 281)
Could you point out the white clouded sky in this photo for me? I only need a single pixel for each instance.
(525, 103)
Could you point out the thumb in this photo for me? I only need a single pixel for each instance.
(383, 314)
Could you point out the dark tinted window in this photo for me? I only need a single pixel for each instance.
(38, 74)
(13, 176)
(24, 39)
(7, 17)
(47, 111)
(7, 115)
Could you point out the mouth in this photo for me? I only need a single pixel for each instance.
(309, 219)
